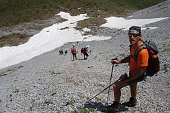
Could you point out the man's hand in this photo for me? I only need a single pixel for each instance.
(115, 61)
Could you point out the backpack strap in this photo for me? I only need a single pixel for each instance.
(137, 50)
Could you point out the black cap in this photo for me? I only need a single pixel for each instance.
(135, 28)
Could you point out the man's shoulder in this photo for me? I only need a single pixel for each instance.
(142, 51)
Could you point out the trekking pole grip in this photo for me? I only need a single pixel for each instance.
(114, 58)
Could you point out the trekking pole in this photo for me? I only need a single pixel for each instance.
(109, 84)
(102, 91)
(110, 80)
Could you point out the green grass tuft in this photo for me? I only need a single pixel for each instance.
(13, 12)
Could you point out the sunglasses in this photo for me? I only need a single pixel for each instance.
(134, 35)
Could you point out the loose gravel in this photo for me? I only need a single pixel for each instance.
(53, 83)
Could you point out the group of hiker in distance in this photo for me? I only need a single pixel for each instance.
(84, 51)
(143, 61)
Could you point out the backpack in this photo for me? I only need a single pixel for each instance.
(85, 50)
(82, 50)
(73, 50)
(153, 61)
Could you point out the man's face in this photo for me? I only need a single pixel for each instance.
(134, 37)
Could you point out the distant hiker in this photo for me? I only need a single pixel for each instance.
(84, 51)
(136, 70)
(74, 52)
(61, 52)
(65, 51)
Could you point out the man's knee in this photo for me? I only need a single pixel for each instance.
(118, 85)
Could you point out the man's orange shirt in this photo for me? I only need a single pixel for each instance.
(142, 59)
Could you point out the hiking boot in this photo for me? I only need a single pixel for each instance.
(131, 103)
(113, 108)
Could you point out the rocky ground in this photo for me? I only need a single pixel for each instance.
(53, 83)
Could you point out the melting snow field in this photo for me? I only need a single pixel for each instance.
(58, 34)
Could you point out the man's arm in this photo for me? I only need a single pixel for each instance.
(124, 60)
